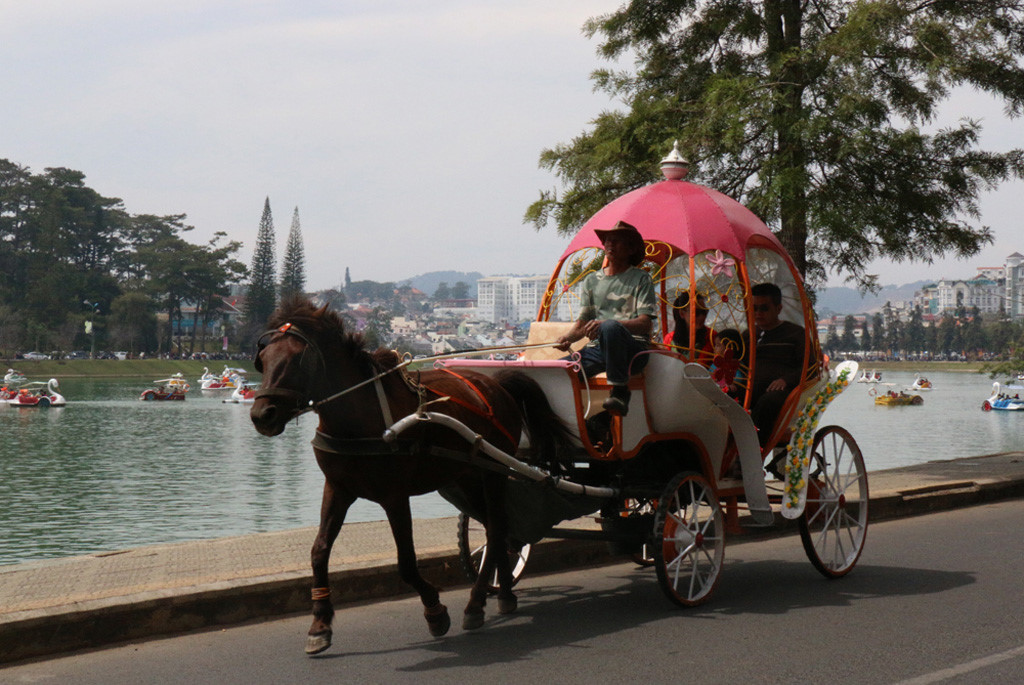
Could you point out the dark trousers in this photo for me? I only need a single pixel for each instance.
(613, 353)
(765, 411)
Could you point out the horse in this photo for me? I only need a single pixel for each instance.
(310, 362)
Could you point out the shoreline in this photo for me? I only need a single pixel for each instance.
(118, 368)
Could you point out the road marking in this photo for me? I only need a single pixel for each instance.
(954, 671)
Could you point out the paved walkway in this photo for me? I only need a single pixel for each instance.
(88, 601)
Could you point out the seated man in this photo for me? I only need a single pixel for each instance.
(779, 360)
(617, 310)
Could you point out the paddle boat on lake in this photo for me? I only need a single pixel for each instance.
(173, 388)
(228, 379)
(895, 398)
(243, 394)
(921, 383)
(1004, 398)
(39, 394)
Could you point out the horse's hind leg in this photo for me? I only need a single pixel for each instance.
(400, 518)
(497, 558)
(332, 515)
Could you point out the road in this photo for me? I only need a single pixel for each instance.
(934, 599)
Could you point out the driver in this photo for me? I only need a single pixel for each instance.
(617, 311)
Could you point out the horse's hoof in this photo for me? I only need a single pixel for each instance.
(471, 620)
(438, 622)
(317, 643)
(508, 606)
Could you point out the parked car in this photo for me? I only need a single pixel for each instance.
(35, 355)
(78, 354)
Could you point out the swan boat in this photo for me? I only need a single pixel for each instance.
(39, 394)
(1004, 398)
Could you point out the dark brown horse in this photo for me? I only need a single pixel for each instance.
(308, 361)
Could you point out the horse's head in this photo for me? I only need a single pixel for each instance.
(291, 357)
(292, 366)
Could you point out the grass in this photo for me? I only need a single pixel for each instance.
(116, 368)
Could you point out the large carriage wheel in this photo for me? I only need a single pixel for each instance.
(835, 521)
(689, 539)
(473, 549)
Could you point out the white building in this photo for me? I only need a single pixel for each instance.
(510, 298)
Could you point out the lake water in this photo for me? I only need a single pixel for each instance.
(109, 472)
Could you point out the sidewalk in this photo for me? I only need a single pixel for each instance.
(56, 606)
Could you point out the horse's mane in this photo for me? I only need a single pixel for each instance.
(328, 327)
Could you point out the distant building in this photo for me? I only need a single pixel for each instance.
(510, 298)
(994, 289)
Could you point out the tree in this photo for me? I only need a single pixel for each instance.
(460, 291)
(261, 298)
(848, 342)
(819, 116)
(443, 292)
(293, 270)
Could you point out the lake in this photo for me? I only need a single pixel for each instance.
(109, 472)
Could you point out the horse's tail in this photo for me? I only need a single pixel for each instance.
(549, 435)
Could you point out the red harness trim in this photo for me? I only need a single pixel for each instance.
(488, 414)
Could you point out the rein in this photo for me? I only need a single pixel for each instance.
(314, 405)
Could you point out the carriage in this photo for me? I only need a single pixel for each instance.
(667, 481)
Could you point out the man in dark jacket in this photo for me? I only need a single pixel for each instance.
(779, 360)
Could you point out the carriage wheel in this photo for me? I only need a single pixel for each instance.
(689, 539)
(835, 520)
(473, 549)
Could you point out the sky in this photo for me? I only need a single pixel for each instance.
(407, 133)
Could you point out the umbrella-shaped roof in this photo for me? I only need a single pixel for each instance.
(692, 218)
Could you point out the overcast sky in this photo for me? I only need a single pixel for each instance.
(407, 133)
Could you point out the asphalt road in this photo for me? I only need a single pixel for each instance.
(935, 598)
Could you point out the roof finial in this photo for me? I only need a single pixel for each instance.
(674, 167)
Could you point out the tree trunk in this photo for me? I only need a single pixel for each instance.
(783, 21)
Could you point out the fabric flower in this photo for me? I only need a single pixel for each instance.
(720, 264)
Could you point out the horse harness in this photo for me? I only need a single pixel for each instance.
(375, 446)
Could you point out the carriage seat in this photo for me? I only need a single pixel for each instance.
(549, 331)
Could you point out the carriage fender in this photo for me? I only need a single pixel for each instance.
(745, 436)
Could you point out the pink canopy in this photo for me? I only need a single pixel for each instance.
(689, 217)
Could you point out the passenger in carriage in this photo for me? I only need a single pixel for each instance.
(617, 311)
(678, 339)
(778, 361)
(725, 367)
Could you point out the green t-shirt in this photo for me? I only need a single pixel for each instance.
(623, 296)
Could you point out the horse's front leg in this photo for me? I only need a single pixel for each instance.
(400, 518)
(332, 515)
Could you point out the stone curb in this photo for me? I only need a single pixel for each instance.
(98, 623)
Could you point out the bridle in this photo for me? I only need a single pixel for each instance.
(302, 402)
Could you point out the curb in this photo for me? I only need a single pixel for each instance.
(94, 624)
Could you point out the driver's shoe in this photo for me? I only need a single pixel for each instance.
(618, 401)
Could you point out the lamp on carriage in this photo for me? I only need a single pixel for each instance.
(674, 167)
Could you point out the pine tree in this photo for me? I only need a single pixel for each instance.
(293, 270)
(262, 296)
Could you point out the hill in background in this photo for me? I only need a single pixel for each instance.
(844, 301)
(429, 281)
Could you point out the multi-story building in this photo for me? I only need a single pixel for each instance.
(510, 298)
(995, 289)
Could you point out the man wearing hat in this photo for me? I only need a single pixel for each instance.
(617, 311)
